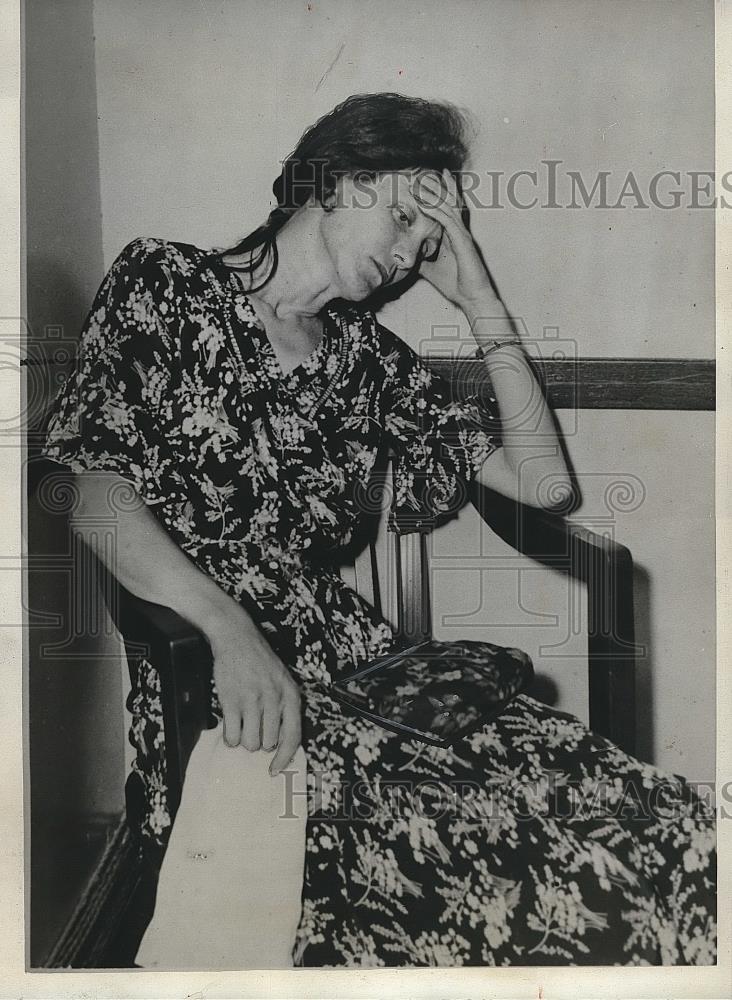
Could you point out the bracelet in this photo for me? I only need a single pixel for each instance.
(495, 345)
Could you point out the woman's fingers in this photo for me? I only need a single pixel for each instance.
(232, 722)
(429, 189)
(260, 702)
(448, 215)
(252, 723)
(271, 718)
(290, 737)
(257, 727)
(437, 213)
(441, 193)
(452, 187)
(448, 187)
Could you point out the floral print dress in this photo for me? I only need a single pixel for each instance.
(533, 841)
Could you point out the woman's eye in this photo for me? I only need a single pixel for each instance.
(402, 215)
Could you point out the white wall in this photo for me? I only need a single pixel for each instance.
(484, 589)
(198, 101)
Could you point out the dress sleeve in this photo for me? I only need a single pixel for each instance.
(111, 413)
(438, 443)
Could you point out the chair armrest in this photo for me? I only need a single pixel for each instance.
(539, 534)
(150, 623)
(606, 567)
(182, 657)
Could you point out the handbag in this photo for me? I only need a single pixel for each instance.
(436, 692)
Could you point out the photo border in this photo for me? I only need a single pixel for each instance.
(453, 982)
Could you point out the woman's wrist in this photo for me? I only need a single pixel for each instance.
(493, 328)
(216, 613)
(485, 349)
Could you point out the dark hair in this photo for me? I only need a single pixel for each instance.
(366, 135)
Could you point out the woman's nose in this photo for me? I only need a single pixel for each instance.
(406, 255)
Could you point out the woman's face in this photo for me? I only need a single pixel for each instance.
(376, 233)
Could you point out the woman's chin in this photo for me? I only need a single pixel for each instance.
(362, 290)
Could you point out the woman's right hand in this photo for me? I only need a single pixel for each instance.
(260, 701)
(259, 698)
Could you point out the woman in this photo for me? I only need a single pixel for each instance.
(247, 396)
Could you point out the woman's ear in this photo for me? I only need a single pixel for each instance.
(328, 200)
(335, 191)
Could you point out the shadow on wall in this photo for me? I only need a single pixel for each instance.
(74, 714)
(644, 678)
(57, 309)
(544, 689)
(76, 724)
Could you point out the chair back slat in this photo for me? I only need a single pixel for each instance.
(375, 586)
(404, 570)
(363, 575)
(414, 611)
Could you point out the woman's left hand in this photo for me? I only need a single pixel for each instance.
(457, 272)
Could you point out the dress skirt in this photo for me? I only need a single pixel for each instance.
(532, 841)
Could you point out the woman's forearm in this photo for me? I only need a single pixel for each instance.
(147, 561)
(533, 466)
(260, 700)
(530, 467)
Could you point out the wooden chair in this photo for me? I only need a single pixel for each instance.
(112, 933)
(183, 658)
